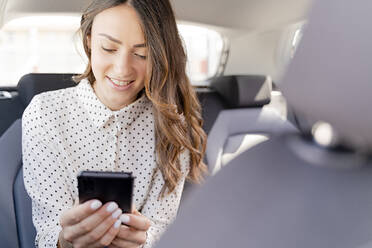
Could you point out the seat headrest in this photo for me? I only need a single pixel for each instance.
(244, 90)
(34, 83)
(329, 79)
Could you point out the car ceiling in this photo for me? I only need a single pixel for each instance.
(235, 14)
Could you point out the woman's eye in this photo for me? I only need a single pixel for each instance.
(108, 50)
(140, 56)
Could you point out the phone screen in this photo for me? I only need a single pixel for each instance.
(106, 187)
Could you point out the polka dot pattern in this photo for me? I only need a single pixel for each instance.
(70, 130)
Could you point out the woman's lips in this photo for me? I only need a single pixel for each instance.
(117, 86)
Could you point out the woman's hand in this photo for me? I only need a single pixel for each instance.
(90, 225)
(134, 233)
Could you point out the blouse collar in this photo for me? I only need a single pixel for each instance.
(100, 114)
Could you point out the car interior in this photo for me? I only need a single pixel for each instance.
(292, 190)
(288, 146)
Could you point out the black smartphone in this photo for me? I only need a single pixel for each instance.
(106, 187)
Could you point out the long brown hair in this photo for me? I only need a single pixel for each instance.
(177, 112)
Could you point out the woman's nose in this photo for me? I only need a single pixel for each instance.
(123, 65)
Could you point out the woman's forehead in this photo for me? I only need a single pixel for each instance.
(121, 23)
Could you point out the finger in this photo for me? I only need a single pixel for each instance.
(135, 212)
(124, 243)
(139, 222)
(134, 209)
(111, 234)
(91, 222)
(113, 246)
(133, 235)
(79, 212)
(102, 232)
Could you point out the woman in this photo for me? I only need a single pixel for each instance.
(133, 110)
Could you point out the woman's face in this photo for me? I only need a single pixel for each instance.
(118, 56)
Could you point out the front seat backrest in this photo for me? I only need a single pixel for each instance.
(270, 196)
(10, 164)
(246, 123)
(23, 207)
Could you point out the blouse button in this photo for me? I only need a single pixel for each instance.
(112, 138)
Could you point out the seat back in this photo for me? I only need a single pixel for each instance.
(275, 195)
(10, 164)
(212, 104)
(15, 204)
(23, 212)
(11, 109)
(247, 121)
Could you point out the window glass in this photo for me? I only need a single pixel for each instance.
(204, 47)
(49, 44)
(39, 44)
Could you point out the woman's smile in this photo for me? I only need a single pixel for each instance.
(120, 85)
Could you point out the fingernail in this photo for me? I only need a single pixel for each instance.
(124, 218)
(111, 207)
(117, 223)
(95, 204)
(116, 214)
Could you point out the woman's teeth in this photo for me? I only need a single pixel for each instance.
(120, 83)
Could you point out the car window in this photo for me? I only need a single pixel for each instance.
(204, 48)
(50, 44)
(39, 44)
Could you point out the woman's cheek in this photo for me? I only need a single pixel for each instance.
(99, 63)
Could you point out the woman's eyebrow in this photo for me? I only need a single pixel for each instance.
(139, 45)
(119, 42)
(110, 38)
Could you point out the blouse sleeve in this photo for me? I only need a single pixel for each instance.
(162, 211)
(44, 176)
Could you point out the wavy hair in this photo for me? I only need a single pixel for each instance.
(177, 112)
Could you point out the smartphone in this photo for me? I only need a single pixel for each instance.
(106, 187)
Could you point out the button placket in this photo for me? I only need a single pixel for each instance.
(115, 145)
(111, 143)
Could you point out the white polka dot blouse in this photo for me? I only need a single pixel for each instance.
(70, 130)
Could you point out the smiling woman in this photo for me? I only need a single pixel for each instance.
(118, 60)
(133, 110)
